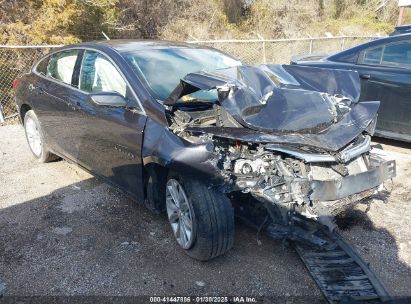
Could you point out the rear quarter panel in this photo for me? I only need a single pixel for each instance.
(22, 92)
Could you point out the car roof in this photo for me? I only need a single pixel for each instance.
(400, 37)
(401, 29)
(376, 42)
(129, 45)
(383, 40)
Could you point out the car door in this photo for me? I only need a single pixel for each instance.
(109, 137)
(50, 95)
(386, 76)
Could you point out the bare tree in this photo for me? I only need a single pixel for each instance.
(320, 8)
(233, 9)
(339, 8)
(144, 18)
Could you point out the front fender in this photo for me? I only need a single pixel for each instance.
(162, 147)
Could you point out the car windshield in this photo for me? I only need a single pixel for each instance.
(162, 69)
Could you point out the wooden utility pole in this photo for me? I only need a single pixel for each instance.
(400, 15)
(402, 5)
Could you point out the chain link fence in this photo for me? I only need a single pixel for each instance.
(281, 50)
(16, 60)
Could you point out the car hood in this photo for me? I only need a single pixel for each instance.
(286, 103)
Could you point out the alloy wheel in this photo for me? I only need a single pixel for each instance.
(33, 136)
(179, 213)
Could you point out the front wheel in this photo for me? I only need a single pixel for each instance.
(202, 219)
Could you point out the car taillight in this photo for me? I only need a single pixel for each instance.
(16, 82)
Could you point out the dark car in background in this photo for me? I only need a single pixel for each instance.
(384, 66)
(191, 131)
(401, 29)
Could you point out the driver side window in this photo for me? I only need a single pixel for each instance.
(98, 74)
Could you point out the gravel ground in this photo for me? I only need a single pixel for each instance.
(63, 232)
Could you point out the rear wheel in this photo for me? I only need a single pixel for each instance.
(35, 138)
(202, 219)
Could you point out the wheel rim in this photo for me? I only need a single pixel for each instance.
(33, 136)
(179, 213)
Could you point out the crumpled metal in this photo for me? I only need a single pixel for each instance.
(284, 104)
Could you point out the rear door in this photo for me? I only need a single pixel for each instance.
(386, 76)
(109, 138)
(51, 99)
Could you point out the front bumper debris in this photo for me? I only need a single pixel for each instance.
(340, 188)
(353, 185)
(322, 199)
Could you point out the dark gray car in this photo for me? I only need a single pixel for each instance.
(192, 132)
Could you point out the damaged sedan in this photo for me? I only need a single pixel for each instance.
(194, 133)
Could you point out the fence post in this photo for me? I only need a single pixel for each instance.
(311, 46)
(1, 114)
(264, 56)
(342, 44)
(263, 42)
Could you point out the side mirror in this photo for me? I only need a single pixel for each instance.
(111, 99)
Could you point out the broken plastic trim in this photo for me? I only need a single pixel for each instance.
(355, 151)
(339, 188)
(343, 156)
(308, 157)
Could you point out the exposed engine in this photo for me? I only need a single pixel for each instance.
(290, 183)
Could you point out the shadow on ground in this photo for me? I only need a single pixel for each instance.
(392, 143)
(89, 239)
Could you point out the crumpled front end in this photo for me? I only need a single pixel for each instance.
(317, 187)
(295, 138)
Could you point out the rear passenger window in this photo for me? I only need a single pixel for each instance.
(397, 54)
(42, 66)
(61, 65)
(372, 56)
(98, 74)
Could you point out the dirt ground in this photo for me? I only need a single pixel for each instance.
(63, 232)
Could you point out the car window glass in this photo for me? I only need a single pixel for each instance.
(98, 74)
(42, 66)
(61, 65)
(347, 56)
(372, 56)
(162, 69)
(397, 54)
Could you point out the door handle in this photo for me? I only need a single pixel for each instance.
(74, 105)
(365, 76)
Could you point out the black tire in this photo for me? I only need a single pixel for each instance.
(213, 220)
(156, 178)
(45, 155)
